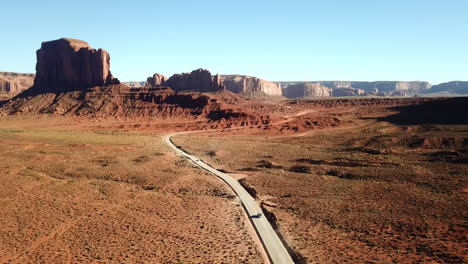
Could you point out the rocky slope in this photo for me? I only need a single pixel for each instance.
(122, 101)
(12, 83)
(248, 85)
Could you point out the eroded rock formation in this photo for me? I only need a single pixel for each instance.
(198, 80)
(69, 64)
(156, 80)
(248, 85)
(73, 79)
(121, 101)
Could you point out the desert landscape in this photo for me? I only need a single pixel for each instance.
(255, 132)
(86, 176)
(373, 190)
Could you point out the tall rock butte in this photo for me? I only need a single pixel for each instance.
(198, 80)
(249, 85)
(69, 64)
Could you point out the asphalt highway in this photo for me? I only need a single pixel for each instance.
(277, 252)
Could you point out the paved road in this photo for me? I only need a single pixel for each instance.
(275, 249)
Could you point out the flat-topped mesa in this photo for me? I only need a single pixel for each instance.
(12, 83)
(249, 85)
(71, 64)
(455, 87)
(302, 90)
(352, 88)
(155, 81)
(198, 80)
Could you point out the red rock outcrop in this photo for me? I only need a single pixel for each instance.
(119, 100)
(156, 80)
(70, 64)
(199, 80)
(251, 86)
(73, 79)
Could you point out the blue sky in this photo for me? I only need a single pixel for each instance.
(274, 40)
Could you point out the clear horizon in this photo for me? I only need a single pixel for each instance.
(272, 40)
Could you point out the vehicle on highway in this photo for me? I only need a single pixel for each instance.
(257, 215)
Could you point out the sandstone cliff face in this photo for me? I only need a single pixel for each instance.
(73, 79)
(340, 92)
(412, 87)
(156, 80)
(69, 64)
(381, 88)
(12, 83)
(198, 80)
(455, 87)
(249, 85)
(307, 90)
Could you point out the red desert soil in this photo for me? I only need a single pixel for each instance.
(372, 181)
(344, 180)
(74, 196)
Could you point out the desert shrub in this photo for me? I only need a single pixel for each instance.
(300, 169)
(267, 165)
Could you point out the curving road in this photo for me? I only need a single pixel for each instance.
(277, 252)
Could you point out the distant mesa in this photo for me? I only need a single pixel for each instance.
(12, 83)
(69, 64)
(202, 80)
(250, 86)
(341, 92)
(455, 87)
(351, 88)
(199, 80)
(304, 90)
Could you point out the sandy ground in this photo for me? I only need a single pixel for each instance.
(70, 196)
(343, 182)
(367, 192)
